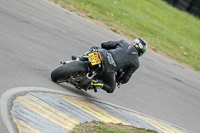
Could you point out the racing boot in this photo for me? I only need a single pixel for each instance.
(96, 84)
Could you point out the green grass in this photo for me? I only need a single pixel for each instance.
(101, 127)
(166, 29)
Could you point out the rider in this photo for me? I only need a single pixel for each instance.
(120, 55)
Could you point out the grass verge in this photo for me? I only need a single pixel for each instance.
(167, 29)
(101, 127)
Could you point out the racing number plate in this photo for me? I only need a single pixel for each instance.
(94, 58)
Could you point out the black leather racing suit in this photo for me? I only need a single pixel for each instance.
(119, 55)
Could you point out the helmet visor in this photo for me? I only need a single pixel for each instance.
(137, 43)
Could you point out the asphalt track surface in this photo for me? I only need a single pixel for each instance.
(35, 36)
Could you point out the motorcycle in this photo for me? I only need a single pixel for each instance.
(81, 71)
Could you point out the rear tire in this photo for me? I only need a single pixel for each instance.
(63, 72)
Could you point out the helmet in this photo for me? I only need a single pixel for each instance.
(140, 45)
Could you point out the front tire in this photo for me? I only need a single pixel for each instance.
(63, 72)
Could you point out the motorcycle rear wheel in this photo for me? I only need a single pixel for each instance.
(63, 72)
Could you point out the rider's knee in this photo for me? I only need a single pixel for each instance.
(110, 91)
